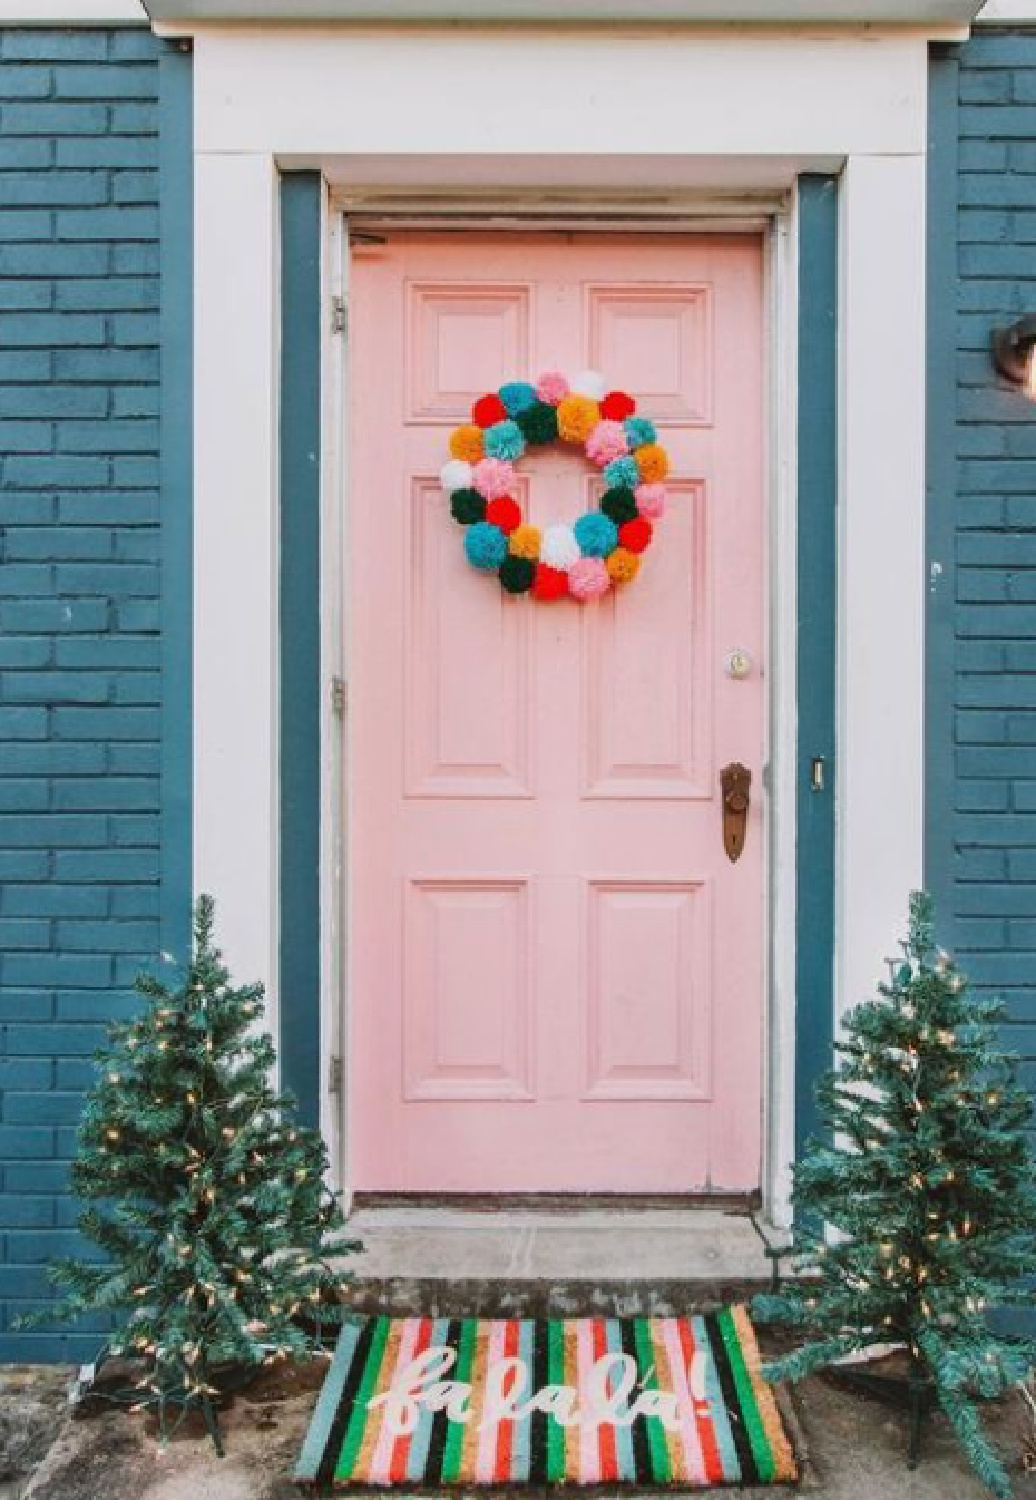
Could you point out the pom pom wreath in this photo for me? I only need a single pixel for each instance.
(504, 513)
(640, 431)
(467, 507)
(466, 443)
(493, 477)
(505, 440)
(595, 534)
(485, 545)
(551, 387)
(607, 441)
(525, 541)
(617, 405)
(623, 473)
(517, 395)
(651, 501)
(588, 383)
(577, 418)
(560, 548)
(487, 410)
(517, 574)
(539, 424)
(588, 578)
(636, 535)
(549, 583)
(622, 565)
(455, 475)
(619, 505)
(652, 463)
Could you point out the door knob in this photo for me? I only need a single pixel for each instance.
(736, 783)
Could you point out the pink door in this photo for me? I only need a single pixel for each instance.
(557, 974)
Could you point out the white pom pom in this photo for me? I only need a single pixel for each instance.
(559, 548)
(455, 475)
(590, 383)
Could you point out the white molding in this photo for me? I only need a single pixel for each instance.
(898, 13)
(72, 13)
(1007, 13)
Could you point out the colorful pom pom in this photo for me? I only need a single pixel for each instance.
(607, 441)
(589, 383)
(466, 443)
(455, 475)
(505, 440)
(622, 472)
(539, 423)
(549, 583)
(551, 387)
(595, 534)
(493, 477)
(487, 410)
(517, 574)
(525, 541)
(467, 507)
(504, 513)
(640, 431)
(622, 565)
(617, 405)
(517, 395)
(485, 545)
(652, 463)
(560, 548)
(588, 578)
(636, 535)
(619, 505)
(577, 418)
(651, 501)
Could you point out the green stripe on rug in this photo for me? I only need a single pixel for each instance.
(658, 1447)
(462, 1372)
(746, 1397)
(555, 1376)
(358, 1421)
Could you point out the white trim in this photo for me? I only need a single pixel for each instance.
(899, 13)
(1007, 13)
(72, 13)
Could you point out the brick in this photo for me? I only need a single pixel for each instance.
(37, 1249)
(49, 45)
(117, 579)
(105, 794)
(26, 437)
(55, 687)
(113, 151)
(136, 473)
(135, 43)
(1002, 690)
(25, 224)
(37, 472)
(55, 260)
(50, 759)
(126, 865)
(69, 1039)
(136, 615)
(107, 937)
(24, 1073)
(53, 189)
(103, 1006)
(137, 260)
(52, 330)
(23, 723)
(24, 1141)
(75, 1072)
(22, 296)
(20, 1212)
(110, 652)
(41, 1177)
(51, 830)
(134, 760)
(54, 401)
(106, 723)
(135, 901)
(138, 546)
(30, 544)
(24, 651)
(135, 187)
(53, 616)
(108, 508)
(27, 509)
(26, 154)
(129, 366)
(108, 437)
(142, 688)
(24, 82)
(55, 119)
(43, 1109)
(25, 1005)
(53, 900)
(118, 294)
(142, 119)
(24, 365)
(19, 795)
(22, 864)
(104, 82)
(120, 222)
(133, 829)
(136, 401)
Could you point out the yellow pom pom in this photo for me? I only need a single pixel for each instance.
(622, 565)
(577, 418)
(466, 443)
(525, 542)
(652, 463)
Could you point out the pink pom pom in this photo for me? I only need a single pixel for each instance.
(552, 387)
(650, 501)
(607, 441)
(493, 477)
(588, 578)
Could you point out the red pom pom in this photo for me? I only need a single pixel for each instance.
(549, 583)
(617, 405)
(487, 410)
(504, 512)
(635, 535)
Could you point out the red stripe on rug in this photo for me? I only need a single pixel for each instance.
(606, 1432)
(399, 1463)
(505, 1430)
(706, 1436)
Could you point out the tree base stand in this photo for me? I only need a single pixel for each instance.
(912, 1391)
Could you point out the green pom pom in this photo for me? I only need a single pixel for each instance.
(467, 507)
(517, 573)
(539, 424)
(619, 505)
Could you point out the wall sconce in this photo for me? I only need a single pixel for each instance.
(1014, 353)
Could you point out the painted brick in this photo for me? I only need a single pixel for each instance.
(53, 616)
(129, 366)
(19, 1211)
(104, 82)
(23, 1074)
(54, 401)
(52, 759)
(53, 189)
(53, 900)
(43, 1109)
(27, 472)
(21, 1141)
(108, 437)
(103, 1006)
(25, 224)
(118, 293)
(55, 119)
(117, 223)
(21, 795)
(66, 1040)
(25, 1005)
(106, 723)
(124, 509)
(115, 151)
(130, 866)
(26, 544)
(107, 937)
(55, 687)
(55, 260)
(53, 46)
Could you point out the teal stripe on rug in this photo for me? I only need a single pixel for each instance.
(330, 1395)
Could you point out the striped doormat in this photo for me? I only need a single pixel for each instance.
(435, 1402)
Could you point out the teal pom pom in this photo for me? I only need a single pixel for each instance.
(467, 507)
(486, 546)
(517, 396)
(619, 505)
(639, 431)
(504, 440)
(622, 472)
(539, 423)
(517, 574)
(596, 534)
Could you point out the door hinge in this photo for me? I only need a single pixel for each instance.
(338, 695)
(339, 315)
(334, 1080)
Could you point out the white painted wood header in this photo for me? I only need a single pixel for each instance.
(711, 12)
(72, 13)
(1007, 13)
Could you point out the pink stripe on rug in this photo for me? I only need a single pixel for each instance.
(485, 1463)
(381, 1460)
(589, 1432)
(684, 1395)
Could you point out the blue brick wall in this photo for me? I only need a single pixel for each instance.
(80, 663)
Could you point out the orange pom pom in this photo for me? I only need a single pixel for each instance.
(652, 463)
(466, 443)
(622, 565)
(525, 542)
(577, 418)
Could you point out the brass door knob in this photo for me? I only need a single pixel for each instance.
(736, 783)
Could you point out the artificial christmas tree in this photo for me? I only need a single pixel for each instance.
(917, 1213)
(216, 1225)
